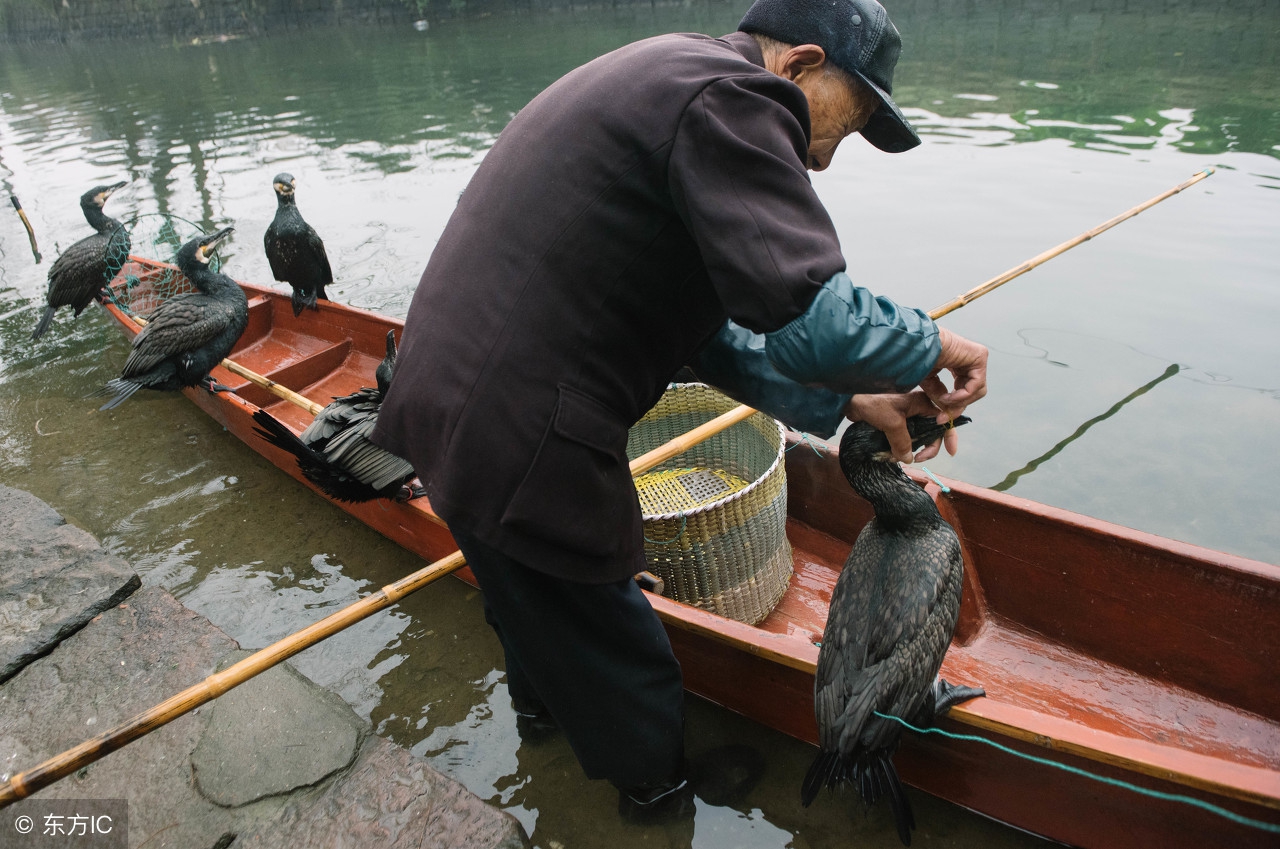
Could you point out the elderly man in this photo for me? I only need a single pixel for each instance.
(649, 211)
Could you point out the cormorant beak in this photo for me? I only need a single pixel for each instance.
(283, 188)
(210, 244)
(925, 430)
(101, 199)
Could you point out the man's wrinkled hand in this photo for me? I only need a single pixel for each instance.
(967, 362)
(889, 413)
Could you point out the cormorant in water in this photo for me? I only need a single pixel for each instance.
(294, 250)
(335, 453)
(891, 618)
(188, 334)
(78, 276)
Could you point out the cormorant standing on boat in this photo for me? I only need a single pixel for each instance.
(79, 274)
(891, 618)
(294, 250)
(188, 334)
(335, 453)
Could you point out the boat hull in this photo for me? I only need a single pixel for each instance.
(1144, 661)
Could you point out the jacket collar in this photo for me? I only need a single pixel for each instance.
(746, 45)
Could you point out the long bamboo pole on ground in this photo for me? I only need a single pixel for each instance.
(24, 784)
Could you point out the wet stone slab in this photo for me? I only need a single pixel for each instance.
(277, 761)
(54, 578)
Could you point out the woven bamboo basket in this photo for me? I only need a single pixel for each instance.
(715, 516)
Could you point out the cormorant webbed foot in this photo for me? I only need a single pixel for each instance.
(408, 492)
(213, 386)
(945, 696)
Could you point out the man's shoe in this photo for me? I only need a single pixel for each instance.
(656, 805)
(535, 728)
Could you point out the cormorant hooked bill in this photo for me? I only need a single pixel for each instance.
(892, 614)
(294, 250)
(335, 453)
(80, 273)
(188, 334)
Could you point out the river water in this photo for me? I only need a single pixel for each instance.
(1132, 379)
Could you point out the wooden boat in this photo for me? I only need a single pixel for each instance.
(1141, 660)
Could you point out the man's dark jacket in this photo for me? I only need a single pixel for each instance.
(619, 220)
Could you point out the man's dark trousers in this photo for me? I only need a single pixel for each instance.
(596, 657)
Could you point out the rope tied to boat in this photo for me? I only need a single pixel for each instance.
(1270, 828)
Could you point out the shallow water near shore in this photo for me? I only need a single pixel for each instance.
(1132, 379)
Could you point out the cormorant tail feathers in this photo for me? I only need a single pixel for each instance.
(124, 389)
(821, 774)
(315, 467)
(874, 776)
(302, 300)
(45, 321)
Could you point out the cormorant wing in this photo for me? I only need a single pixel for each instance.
(340, 414)
(352, 451)
(322, 258)
(179, 325)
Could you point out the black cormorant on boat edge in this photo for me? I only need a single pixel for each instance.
(294, 249)
(892, 614)
(188, 334)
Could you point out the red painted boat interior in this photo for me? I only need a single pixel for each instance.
(1090, 639)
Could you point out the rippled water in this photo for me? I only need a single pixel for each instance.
(1040, 120)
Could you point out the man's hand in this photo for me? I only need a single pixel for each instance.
(889, 413)
(967, 362)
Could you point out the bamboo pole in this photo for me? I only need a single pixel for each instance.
(996, 282)
(24, 784)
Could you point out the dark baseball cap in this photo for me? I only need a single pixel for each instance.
(858, 38)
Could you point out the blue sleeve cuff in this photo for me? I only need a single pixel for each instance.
(851, 341)
(734, 361)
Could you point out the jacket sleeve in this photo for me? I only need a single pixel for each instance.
(734, 361)
(851, 341)
(737, 179)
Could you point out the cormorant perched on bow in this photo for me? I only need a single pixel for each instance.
(891, 618)
(188, 334)
(335, 453)
(78, 276)
(294, 250)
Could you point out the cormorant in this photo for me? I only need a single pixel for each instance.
(294, 250)
(80, 273)
(335, 453)
(188, 334)
(892, 614)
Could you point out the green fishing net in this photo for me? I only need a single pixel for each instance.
(140, 261)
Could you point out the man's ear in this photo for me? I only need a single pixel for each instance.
(803, 62)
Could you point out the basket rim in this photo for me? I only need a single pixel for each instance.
(741, 493)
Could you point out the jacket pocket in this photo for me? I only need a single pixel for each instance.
(578, 489)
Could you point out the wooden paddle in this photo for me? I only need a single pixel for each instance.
(24, 784)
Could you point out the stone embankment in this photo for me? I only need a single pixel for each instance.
(275, 762)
